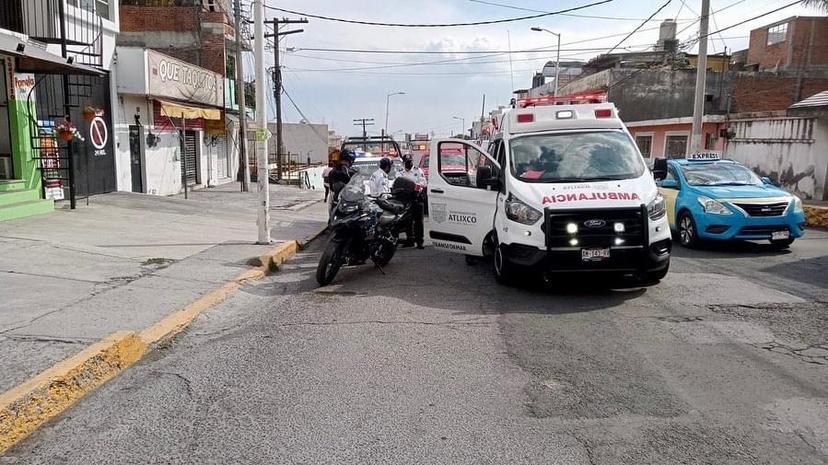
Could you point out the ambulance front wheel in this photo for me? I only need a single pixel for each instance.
(504, 271)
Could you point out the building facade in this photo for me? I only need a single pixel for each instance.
(178, 116)
(55, 109)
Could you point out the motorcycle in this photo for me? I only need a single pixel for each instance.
(364, 227)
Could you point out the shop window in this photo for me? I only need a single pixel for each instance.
(777, 33)
(645, 145)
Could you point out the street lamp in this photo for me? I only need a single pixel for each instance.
(387, 101)
(558, 59)
(463, 122)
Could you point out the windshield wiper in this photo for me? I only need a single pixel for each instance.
(730, 184)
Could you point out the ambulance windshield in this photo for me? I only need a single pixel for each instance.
(575, 157)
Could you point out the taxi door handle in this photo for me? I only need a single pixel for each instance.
(437, 191)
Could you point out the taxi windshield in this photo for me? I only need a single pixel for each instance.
(719, 174)
(575, 157)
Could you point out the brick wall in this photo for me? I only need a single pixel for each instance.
(758, 92)
(209, 28)
(791, 53)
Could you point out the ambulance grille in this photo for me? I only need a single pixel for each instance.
(596, 227)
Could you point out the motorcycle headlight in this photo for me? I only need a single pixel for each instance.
(657, 208)
(348, 207)
(713, 206)
(517, 210)
(798, 205)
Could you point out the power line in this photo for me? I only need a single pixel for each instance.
(468, 52)
(513, 7)
(639, 26)
(476, 23)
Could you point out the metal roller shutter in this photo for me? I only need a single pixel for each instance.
(189, 160)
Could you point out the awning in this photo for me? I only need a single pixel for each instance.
(188, 111)
(31, 58)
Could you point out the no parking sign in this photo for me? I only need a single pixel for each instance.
(98, 135)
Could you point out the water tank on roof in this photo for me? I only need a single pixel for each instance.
(666, 34)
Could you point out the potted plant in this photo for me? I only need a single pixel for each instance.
(90, 112)
(67, 131)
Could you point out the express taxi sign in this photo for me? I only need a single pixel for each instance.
(704, 156)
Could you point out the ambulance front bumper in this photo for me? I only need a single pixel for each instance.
(653, 257)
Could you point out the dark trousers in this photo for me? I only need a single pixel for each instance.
(327, 190)
(415, 229)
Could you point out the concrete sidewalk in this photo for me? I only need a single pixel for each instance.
(124, 262)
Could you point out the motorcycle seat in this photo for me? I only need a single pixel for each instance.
(391, 205)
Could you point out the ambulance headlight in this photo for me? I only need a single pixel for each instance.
(518, 211)
(798, 205)
(657, 208)
(714, 206)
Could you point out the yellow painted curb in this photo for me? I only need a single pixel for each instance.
(816, 216)
(27, 406)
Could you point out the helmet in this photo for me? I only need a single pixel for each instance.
(347, 155)
(407, 158)
(385, 163)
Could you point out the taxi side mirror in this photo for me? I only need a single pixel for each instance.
(659, 168)
(487, 176)
(669, 184)
(767, 181)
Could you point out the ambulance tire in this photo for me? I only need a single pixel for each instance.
(687, 233)
(653, 277)
(504, 272)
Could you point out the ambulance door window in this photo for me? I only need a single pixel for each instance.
(458, 163)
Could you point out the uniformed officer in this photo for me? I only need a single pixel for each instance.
(379, 180)
(415, 230)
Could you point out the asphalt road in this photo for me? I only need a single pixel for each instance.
(724, 362)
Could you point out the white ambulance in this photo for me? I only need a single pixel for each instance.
(561, 188)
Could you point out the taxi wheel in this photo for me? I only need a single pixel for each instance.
(687, 232)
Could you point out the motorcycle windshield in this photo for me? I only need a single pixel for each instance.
(354, 191)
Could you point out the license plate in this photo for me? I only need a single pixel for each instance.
(776, 235)
(595, 255)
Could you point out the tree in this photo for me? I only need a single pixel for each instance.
(818, 4)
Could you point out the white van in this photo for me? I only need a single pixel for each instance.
(562, 188)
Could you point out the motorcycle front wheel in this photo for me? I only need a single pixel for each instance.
(330, 262)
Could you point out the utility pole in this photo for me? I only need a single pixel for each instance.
(697, 136)
(244, 158)
(277, 84)
(262, 177)
(364, 122)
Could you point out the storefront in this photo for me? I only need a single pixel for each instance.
(172, 132)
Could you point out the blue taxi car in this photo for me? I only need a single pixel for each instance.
(711, 198)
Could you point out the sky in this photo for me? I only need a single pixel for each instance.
(338, 87)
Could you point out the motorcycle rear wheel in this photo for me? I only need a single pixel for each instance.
(330, 262)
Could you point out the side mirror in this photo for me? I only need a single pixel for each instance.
(669, 184)
(659, 168)
(767, 181)
(487, 176)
